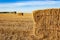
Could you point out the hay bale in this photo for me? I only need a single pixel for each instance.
(47, 23)
(47, 12)
(20, 14)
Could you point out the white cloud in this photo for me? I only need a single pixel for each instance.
(14, 6)
(31, 3)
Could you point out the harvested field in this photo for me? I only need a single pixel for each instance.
(16, 27)
(41, 25)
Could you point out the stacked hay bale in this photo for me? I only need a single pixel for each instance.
(47, 24)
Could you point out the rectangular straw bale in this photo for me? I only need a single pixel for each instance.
(48, 26)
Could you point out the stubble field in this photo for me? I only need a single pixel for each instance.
(16, 27)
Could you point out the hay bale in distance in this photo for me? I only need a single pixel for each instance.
(20, 14)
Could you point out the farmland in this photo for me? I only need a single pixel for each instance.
(41, 25)
(15, 26)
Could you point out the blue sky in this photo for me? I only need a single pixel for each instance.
(4, 1)
(7, 1)
(27, 5)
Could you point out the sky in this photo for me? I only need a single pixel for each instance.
(28, 5)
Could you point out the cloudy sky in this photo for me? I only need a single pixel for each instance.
(27, 5)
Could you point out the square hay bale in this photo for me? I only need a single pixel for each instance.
(20, 14)
(47, 25)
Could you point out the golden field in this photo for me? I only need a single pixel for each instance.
(39, 25)
(16, 27)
